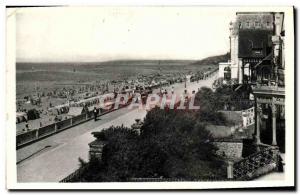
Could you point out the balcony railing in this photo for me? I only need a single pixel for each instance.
(268, 87)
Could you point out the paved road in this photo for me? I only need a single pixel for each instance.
(55, 157)
(61, 158)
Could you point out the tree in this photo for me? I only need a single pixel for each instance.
(176, 146)
(120, 157)
(210, 103)
(172, 144)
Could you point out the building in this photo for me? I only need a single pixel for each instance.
(254, 43)
(257, 60)
(269, 91)
(257, 49)
(250, 43)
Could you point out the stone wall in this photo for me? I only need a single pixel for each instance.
(229, 149)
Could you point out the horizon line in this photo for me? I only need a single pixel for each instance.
(124, 59)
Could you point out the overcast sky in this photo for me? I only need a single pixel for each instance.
(107, 33)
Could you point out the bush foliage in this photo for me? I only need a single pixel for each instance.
(171, 144)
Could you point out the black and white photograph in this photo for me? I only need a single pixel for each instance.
(150, 97)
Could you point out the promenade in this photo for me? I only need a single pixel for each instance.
(55, 157)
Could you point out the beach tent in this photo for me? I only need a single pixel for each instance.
(54, 111)
(33, 114)
(75, 111)
(91, 108)
(65, 109)
(60, 109)
(21, 117)
(107, 105)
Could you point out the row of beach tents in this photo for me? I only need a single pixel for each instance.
(25, 116)
(70, 109)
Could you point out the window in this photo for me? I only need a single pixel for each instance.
(257, 24)
(227, 73)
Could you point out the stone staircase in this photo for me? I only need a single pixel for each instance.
(262, 162)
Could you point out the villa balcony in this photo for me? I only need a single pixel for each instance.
(268, 89)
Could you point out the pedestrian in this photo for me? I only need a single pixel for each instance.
(95, 113)
(27, 126)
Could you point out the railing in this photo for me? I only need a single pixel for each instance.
(246, 168)
(64, 124)
(37, 134)
(259, 87)
(249, 114)
(76, 176)
(44, 131)
(26, 137)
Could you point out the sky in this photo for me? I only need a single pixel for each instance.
(89, 34)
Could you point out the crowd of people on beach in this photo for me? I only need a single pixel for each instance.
(44, 101)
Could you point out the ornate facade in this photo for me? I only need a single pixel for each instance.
(269, 88)
(257, 53)
(257, 59)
